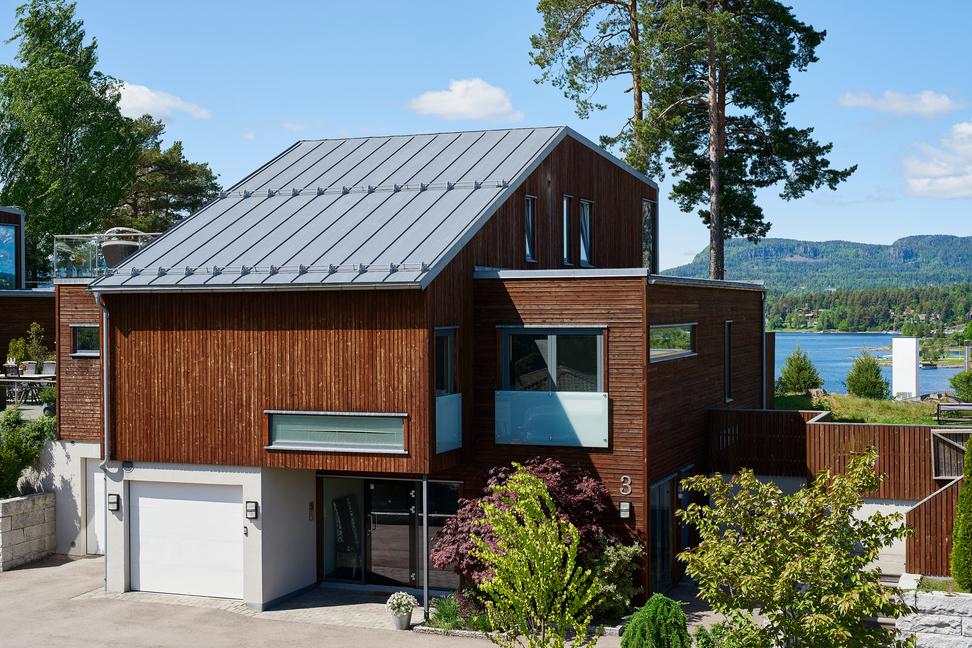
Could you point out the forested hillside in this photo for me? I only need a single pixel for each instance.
(914, 311)
(788, 265)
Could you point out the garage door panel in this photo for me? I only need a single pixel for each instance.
(187, 539)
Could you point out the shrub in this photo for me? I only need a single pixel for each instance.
(865, 379)
(616, 568)
(798, 375)
(48, 395)
(962, 384)
(17, 350)
(741, 633)
(36, 349)
(962, 531)
(660, 623)
(537, 589)
(578, 496)
(20, 444)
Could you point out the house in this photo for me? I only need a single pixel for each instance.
(300, 381)
(21, 306)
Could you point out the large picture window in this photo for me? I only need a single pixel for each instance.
(8, 256)
(586, 256)
(669, 341)
(563, 360)
(530, 227)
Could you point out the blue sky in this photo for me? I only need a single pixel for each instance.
(239, 81)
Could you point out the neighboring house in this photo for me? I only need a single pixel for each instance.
(304, 377)
(19, 305)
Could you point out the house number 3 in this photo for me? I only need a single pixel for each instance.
(625, 485)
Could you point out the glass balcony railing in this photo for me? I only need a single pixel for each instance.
(88, 255)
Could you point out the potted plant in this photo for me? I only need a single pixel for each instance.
(401, 604)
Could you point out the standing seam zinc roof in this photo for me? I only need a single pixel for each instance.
(377, 212)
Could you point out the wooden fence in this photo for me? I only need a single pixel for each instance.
(929, 550)
(790, 443)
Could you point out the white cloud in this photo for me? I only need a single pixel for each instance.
(943, 171)
(294, 127)
(249, 136)
(137, 100)
(926, 103)
(467, 99)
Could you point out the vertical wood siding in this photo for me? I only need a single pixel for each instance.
(78, 379)
(929, 550)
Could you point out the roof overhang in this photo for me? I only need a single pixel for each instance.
(609, 273)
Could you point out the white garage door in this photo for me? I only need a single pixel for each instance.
(187, 538)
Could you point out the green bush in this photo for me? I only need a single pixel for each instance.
(660, 623)
(36, 349)
(616, 567)
(741, 633)
(865, 379)
(17, 350)
(962, 384)
(20, 444)
(48, 395)
(962, 531)
(798, 375)
(445, 613)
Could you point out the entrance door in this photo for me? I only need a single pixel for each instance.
(390, 547)
(94, 518)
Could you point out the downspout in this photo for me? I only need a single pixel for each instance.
(106, 439)
(762, 330)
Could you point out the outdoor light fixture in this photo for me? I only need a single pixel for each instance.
(114, 502)
(625, 509)
(251, 510)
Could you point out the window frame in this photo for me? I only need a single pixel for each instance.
(336, 448)
(589, 262)
(551, 333)
(693, 326)
(85, 353)
(530, 228)
(567, 207)
(727, 361)
(449, 333)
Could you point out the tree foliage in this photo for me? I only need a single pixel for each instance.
(710, 83)
(798, 375)
(803, 560)
(579, 497)
(537, 593)
(21, 443)
(865, 379)
(962, 384)
(659, 623)
(167, 187)
(67, 155)
(962, 530)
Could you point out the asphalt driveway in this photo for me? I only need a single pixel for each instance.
(38, 607)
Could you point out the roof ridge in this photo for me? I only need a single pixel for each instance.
(446, 132)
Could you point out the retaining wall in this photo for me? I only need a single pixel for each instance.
(941, 621)
(26, 529)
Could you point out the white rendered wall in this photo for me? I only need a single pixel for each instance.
(904, 367)
(62, 472)
(891, 559)
(289, 533)
(117, 551)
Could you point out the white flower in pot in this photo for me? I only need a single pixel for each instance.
(401, 604)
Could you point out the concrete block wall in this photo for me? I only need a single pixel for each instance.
(27, 529)
(942, 620)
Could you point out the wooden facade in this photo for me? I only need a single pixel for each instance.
(78, 377)
(929, 550)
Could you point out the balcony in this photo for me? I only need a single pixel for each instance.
(87, 256)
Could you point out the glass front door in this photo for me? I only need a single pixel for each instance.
(390, 547)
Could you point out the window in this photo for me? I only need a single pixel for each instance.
(445, 362)
(669, 341)
(649, 235)
(568, 258)
(85, 340)
(661, 527)
(727, 378)
(337, 432)
(567, 360)
(529, 226)
(8, 256)
(586, 258)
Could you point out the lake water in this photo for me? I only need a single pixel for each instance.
(834, 353)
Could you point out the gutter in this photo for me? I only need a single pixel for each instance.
(105, 420)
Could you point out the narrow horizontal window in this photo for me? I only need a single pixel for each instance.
(85, 340)
(586, 255)
(337, 432)
(668, 341)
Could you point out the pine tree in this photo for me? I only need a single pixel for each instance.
(798, 375)
(865, 379)
(962, 530)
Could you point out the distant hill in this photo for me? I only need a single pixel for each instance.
(788, 265)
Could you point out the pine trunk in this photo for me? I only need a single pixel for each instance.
(716, 227)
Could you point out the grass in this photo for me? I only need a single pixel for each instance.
(447, 615)
(936, 585)
(853, 409)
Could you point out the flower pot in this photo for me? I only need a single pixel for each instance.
(402, 620)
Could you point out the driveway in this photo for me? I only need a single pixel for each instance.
(39, 607)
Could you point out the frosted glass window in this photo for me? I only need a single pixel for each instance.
(337, 432)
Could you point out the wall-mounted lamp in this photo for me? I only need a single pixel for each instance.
(114, 502)
(251, 510)
(625, 509)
